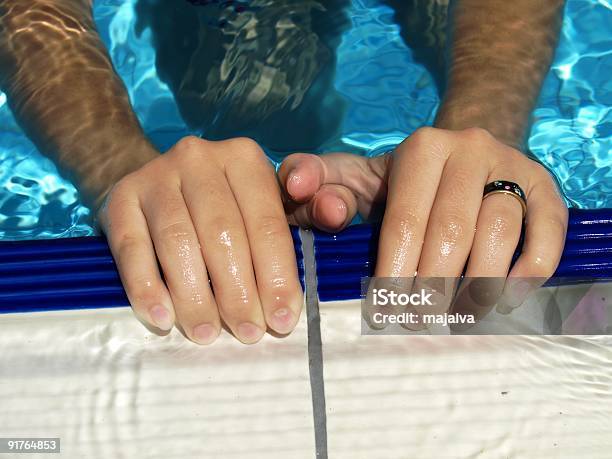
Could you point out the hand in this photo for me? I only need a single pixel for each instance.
(205, 210)
(435, 216)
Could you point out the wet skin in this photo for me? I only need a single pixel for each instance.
(289, 52)
(209, 211)
(212, 211)
(434, 217)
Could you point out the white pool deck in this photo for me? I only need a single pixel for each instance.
(110, 389)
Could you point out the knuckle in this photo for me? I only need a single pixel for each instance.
(542, 265)
(178, 229)
(126, 244)
(144, 292)
(558, 222)
(236, 305)
(245, 147)
(279, 294)
(502, 225)
(188, 301)
(246, 144)
(190, 148)
(427, 144)
(142, 289)
(476, 134)
(405, 223)
(421, 137)
(189, 143)
(454, 225)
(404, 217)
(223, 227)
(425, 132)
(272, 227)
(119, 194)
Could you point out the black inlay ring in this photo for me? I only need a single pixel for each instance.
(505, 187)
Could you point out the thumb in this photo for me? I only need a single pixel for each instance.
(301, 175)
(331, 209)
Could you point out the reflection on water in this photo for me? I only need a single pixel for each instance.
(315, 75)
(256, 68)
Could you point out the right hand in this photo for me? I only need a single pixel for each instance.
(205, 210)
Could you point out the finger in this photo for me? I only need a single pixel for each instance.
(226, 251)
(258, 197)
(498, 230)
(451, 227)
(178, 251)
(545, 230)
(125, 226)
(452, 223)
(303, 175)
(331, 209)
(413, 181)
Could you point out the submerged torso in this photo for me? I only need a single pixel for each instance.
(258, 67)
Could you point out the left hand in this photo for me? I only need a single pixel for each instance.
(435, 219)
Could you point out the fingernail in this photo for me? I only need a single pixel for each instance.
(204, 334)
(161, 317)
(249, 332)
(342, 209)
(292, 177)
(282, 320)
(503, 308)
(293, 180)
(514, 295)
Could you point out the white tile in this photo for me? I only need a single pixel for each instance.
(110, 389)
(464, 396)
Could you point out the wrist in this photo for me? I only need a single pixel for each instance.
(486, 112)
(95, 182)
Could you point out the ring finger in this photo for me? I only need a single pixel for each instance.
(497, 235)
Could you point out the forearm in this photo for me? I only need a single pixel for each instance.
(498, 56)
(66, 95)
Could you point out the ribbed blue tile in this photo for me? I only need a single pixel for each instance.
(343, 259)
(299, 254)
(69, 273)
(78, 273)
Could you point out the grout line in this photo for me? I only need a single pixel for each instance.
(315, 347)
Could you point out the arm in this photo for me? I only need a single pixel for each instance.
(210, 213)
(66, 95)
(436, 222)
(498, 56)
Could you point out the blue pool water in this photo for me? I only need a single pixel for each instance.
(387, 95)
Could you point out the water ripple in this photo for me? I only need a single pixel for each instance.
(387, 93)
